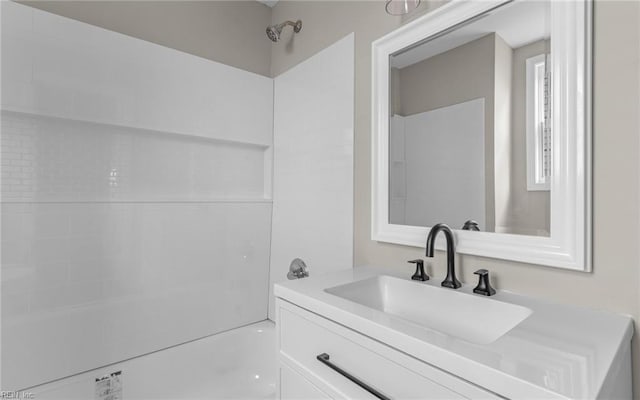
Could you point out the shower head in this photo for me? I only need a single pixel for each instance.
(273, 31)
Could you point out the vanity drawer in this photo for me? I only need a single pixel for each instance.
(303, 336)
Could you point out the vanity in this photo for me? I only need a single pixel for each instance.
(374, 333)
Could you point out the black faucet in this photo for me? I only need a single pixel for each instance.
(450, 281)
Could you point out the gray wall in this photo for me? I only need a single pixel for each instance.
(461, 74)
(230, 32)
(614, 284)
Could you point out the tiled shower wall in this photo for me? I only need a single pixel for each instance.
(135, 197)
(313, 164)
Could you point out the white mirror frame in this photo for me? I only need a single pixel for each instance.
(569, 245)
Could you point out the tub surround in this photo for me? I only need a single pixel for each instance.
(133, 187)
(557, 352)
(137, 187)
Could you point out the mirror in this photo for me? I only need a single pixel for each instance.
(459, 125)
(481, 120)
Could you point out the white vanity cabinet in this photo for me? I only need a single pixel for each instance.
(303, 336)
(373, 350)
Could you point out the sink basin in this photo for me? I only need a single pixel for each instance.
(470, 317)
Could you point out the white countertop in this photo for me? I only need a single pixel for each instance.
(559, 351)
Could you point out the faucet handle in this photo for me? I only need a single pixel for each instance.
(471, 225)
(297, 269)
(419, 275)
(484, 286)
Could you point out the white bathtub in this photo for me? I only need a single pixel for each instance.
(237, 364)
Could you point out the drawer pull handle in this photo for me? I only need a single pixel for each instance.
(324, 358)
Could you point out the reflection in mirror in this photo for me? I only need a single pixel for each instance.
(469, 132)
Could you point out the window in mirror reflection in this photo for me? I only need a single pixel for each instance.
(538, 127)
(459, 135)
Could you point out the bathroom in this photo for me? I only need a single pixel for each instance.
(172, 161)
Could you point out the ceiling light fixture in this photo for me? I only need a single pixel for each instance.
(401, 7)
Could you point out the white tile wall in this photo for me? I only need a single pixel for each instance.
(135, 197)
(459, 128)
(313, 163)
(87, 284)
(60, 67)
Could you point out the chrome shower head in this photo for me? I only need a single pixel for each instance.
(274, 31)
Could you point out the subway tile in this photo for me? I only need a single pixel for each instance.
(73, 161)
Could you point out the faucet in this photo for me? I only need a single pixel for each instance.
(450, 281)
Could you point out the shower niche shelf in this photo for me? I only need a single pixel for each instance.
(60, 160)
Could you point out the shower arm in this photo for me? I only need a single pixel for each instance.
(285, 23)
(297, 25)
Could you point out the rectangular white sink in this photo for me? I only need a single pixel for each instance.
(470, 317)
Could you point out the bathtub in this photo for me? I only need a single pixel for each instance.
(236, 364)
